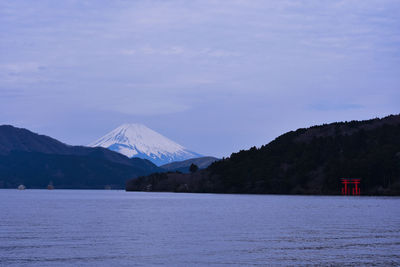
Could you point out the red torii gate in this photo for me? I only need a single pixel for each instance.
(351, 186)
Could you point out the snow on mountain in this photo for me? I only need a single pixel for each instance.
(136, 140)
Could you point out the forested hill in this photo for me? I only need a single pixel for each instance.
(36, 160)
(310, 161)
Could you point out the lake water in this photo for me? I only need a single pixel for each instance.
(117, 228)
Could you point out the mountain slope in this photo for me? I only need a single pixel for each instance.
(305, 161)
(183, 166)
(136, 140)
(34, 160)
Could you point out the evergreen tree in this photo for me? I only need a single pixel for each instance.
(193, 168)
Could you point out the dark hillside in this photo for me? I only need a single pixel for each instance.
(312, 161)
(19, 139)
(35, 160)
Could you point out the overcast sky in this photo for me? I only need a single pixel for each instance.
(214, 76)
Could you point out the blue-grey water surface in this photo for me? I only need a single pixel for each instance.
(117, 228)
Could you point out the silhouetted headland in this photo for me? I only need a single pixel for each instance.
(305, 161)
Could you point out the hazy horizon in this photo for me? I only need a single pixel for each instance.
(213, 76)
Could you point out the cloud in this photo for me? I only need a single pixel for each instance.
(178, 51)
(243, 63)
(147, 106)
(128, 52)
(327, 106)
(20, 67)
(11, 93)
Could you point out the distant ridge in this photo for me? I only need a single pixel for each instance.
(137, 140)
(183, 166)
(34, 160)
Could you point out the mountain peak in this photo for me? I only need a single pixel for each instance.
(137, 140)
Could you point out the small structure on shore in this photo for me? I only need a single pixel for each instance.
(21, 187)
(351, 186)
(50, 186)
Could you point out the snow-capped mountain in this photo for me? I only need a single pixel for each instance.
(136, 140)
